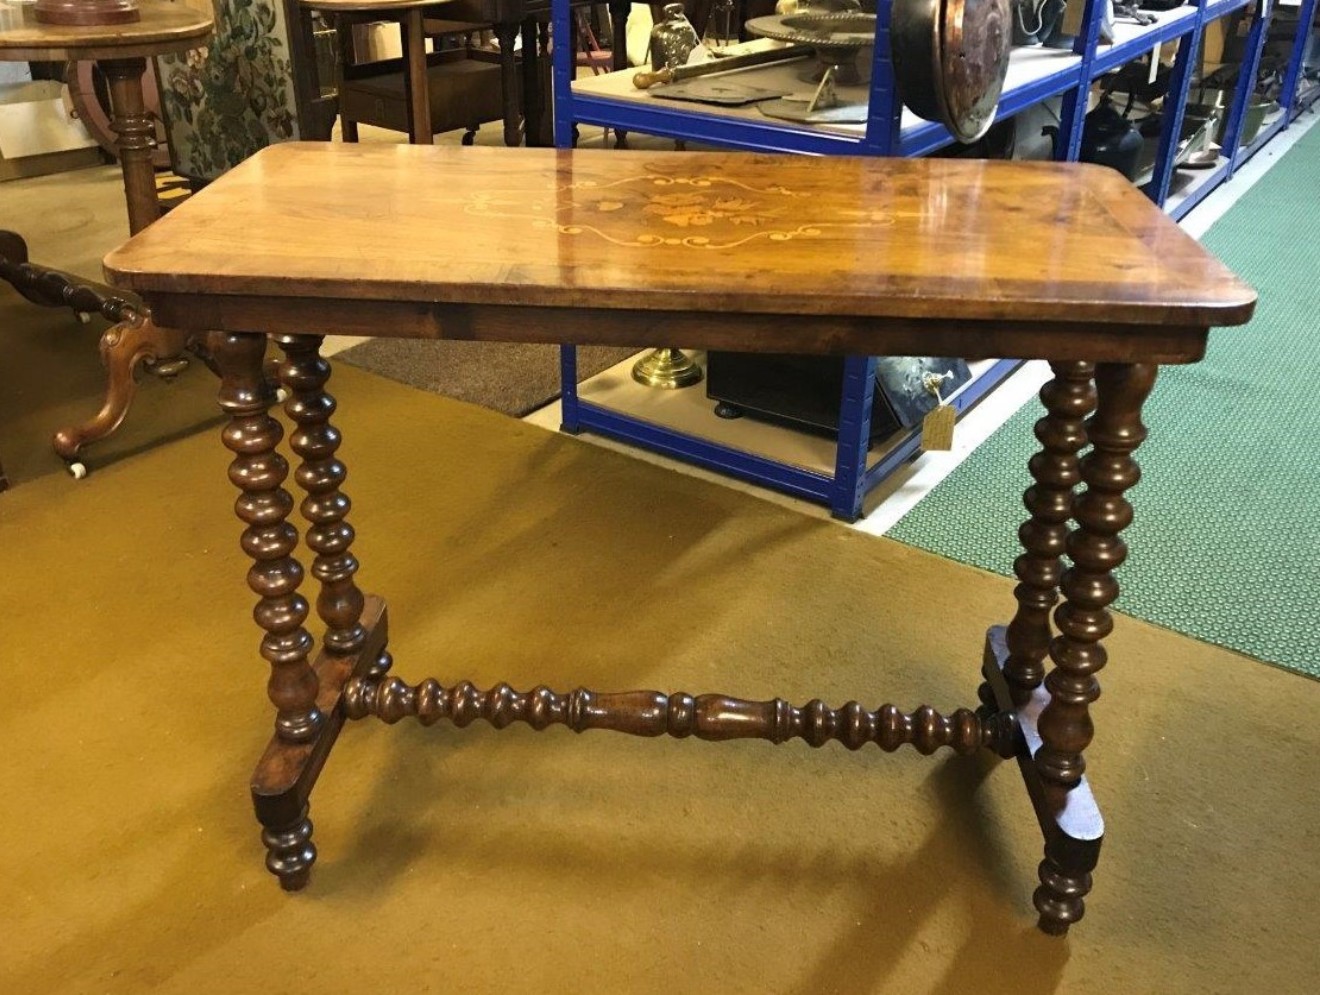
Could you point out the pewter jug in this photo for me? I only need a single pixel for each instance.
(672, 39)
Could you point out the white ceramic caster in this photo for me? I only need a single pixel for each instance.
(77, 470)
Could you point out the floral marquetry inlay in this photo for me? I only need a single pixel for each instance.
(699, 212)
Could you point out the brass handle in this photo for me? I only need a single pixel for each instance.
(644, 81)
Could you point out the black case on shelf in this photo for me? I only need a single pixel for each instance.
(803, 392)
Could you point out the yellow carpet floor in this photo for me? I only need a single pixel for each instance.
(483, 861)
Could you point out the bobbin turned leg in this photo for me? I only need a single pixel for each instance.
(1068, 399)
(259, 471)
(1096, 550)
(339, 604)
(306, 694)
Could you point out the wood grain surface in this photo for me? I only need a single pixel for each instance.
(709, 232)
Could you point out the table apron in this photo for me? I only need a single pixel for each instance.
(787, 333)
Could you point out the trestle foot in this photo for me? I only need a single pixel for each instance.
(283, 781)
(1069, 819)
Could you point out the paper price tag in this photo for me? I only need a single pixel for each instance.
(937, 429)
(1072, 17)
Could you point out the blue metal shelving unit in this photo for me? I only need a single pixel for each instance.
(1035, 76)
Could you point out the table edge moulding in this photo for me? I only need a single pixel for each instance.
(543, 217)
(892, 131)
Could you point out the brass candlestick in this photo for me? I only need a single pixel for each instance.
(667, 368)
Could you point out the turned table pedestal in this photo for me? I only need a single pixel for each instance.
(1062, 262)
(121, 51)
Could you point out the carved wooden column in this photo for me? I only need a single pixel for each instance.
(136, 134)
(1068, 399)
(1096, 550)
(339, 604)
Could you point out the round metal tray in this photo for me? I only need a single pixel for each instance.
(836, 38)
(950, 60)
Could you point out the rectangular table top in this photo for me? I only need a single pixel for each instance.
(726, 233)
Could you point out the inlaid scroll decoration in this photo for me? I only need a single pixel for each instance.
(695, 212)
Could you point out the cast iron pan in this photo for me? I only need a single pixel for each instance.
(950, 58)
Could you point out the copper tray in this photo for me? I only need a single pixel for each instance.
(950, 59)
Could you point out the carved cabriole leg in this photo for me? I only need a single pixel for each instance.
(304, 374)
(1068, 399)
(1096, 550)
(124, 347)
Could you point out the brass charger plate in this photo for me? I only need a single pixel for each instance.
(836, 38)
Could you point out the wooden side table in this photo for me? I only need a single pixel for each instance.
(1063, 262)
(409, 15)
(121, 51)
(522, 97)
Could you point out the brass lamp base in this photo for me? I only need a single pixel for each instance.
(666, 368)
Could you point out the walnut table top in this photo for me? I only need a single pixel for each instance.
(988, 247)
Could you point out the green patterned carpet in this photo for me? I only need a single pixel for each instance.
(1226, 542)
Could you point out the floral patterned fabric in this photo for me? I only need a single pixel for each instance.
(233, 98)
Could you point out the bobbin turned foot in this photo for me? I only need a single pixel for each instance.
(290, 852)
(1065, 879)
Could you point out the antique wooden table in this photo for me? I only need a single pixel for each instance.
(1062, 262)
(121, 51)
